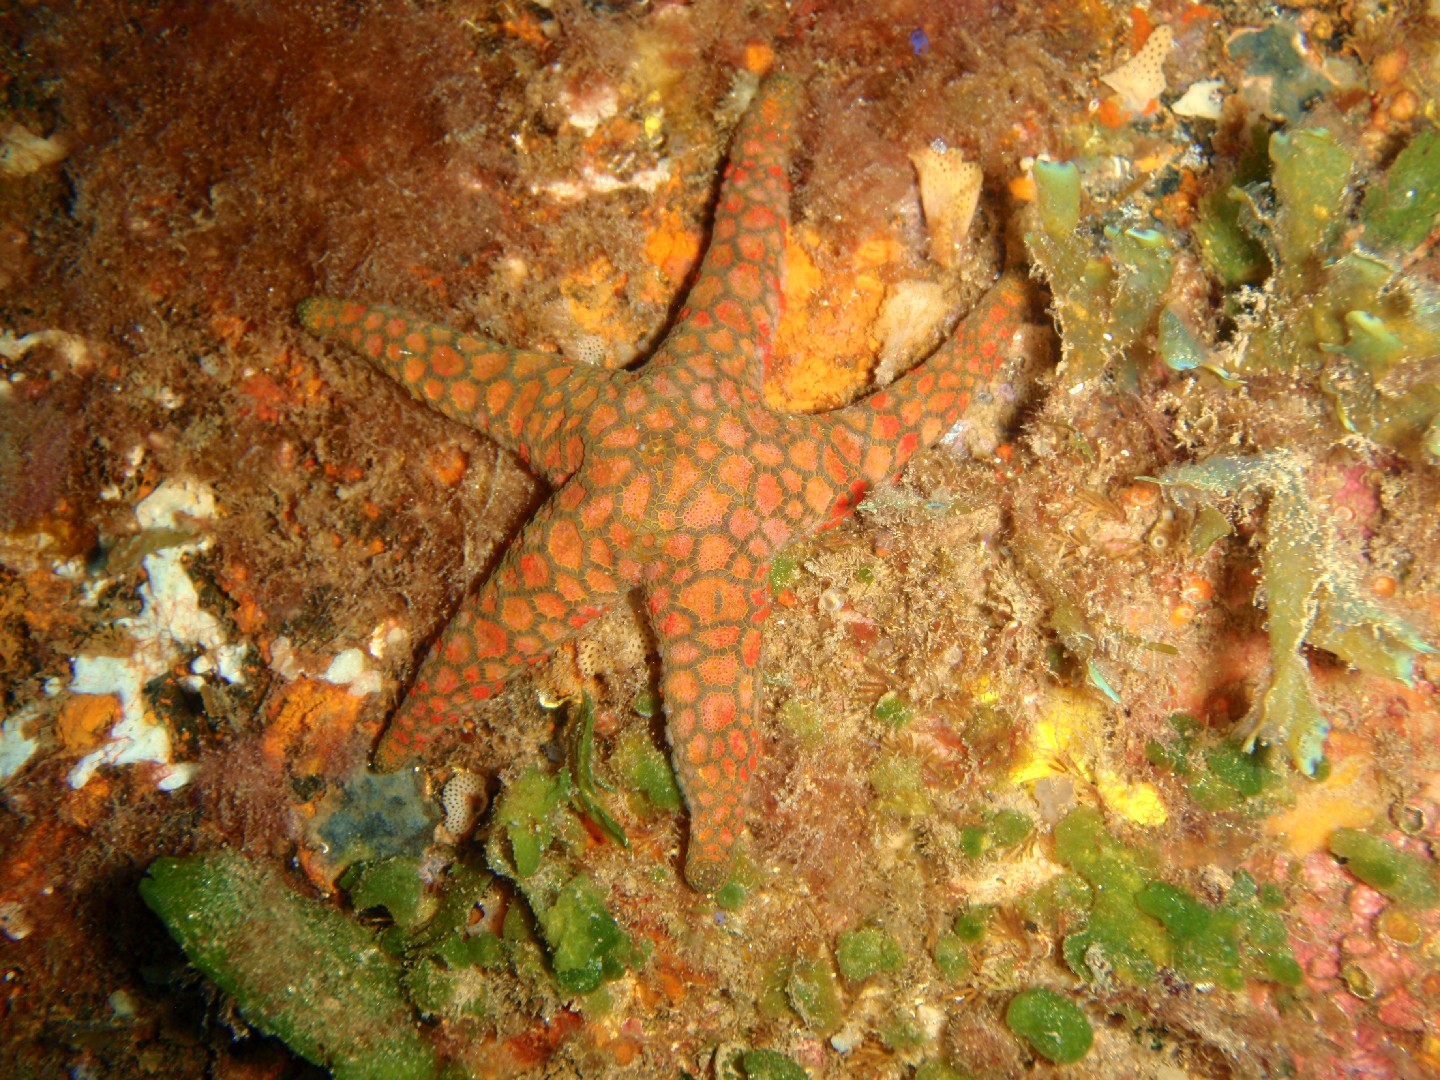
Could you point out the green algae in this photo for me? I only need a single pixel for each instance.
(972, 926)
(800, 719)
(1407, 879)
(955, 949)
(585, 784)
(899, 786)
(393, 884)
(585, 944)
(645, 770)
(770, 1065)
(1053, 1025)
(893, 709)
(1009, 827)
(935, 1069)
(296, 968)
(814, 993)
(1107, 290)
(1310, 178)
(444, 962)
(1210, 527)
(1002, 829)
(954, 956)
(1402, 208)
(867, 951)
(783, 570)
(1134, 924)
(1117, 936)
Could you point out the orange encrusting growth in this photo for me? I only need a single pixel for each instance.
(677, 479)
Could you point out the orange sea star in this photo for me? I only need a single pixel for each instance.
(676, 478)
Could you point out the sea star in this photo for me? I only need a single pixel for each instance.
(677, 479)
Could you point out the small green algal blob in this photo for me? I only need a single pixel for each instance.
(1232, 777)
(971, 926)
(1310, 173)
(901, 1033)
(770, 1065)
(1166, 758)
(935, 1069)
(972, 841)
(298, 969)
(866, 952)
(899, 786)
(953, 956)
(731, 896)
(782, 570)
(644, 770)
(865, 575)
(483, 950)
(893, 709)
(772, 1002)
(1010, 827)
(1053, 1025)
(439, 991)
(1229, 252)
(814, 994)
(1407, 879)
(801, 721)
(1210, 527)
(523, 816)
(1060, 903)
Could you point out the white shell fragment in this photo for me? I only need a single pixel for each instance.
(1201, 100)
(949, 193)
(1141, 79)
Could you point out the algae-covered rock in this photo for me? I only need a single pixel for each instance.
(298, 969)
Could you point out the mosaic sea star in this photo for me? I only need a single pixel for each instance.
(676, 478)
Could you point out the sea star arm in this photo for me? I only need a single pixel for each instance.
(729, 319)
(552, 581)
(529, 402)
(709, 634)
(878, 435)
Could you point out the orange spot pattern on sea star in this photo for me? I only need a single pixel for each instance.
(676, 479)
